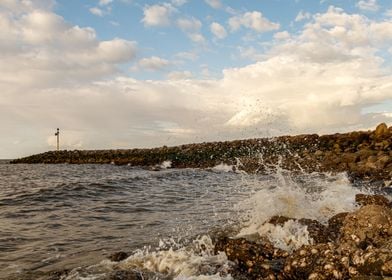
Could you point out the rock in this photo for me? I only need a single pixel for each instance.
(335, 223)
(322, 261)
(371, 225)
(317, 231)
(253, 260)
(125, 275)
(373, 261)
(381, 131)
(118, 256)
(363, 199)
(279, 220)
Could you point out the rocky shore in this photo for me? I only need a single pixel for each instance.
(364, 155)
(355, 245)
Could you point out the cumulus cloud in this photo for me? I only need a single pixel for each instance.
(191, 27)
(153, 63)
(96, 11)
(54, 74)
(189, 24)
(158, 15)
(104, 2)
(282, 35)
(216, 4)
(368, 5)
(40, 49)
(179, 75)
(252, 20)
(302, 16)
(218, 30)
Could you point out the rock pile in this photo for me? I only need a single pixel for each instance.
(363, 154)
(359, 246)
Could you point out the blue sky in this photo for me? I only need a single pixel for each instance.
(124, 19)
(128, 73)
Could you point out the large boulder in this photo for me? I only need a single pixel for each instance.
(381, 131)
(371, 225)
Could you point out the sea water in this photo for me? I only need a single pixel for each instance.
(55, 217)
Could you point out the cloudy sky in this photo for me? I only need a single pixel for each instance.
(132, 73)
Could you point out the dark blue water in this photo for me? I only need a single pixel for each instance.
(60, 216)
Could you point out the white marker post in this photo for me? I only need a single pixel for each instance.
(58, 139)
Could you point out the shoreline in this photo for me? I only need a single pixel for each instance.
(364, 155)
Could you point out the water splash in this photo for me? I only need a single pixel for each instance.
(316, 196)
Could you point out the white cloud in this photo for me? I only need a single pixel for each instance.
(17, 6)
(218, 30)
(44, 50)
(54, 74)
(105, 2)
(197, 38)
(253, 20)
(368, 5)
(153, 63)
(187, 55)
(251, 53)
(189, 24)
(282, 35)
(216, 4)
(179, 75)
(158, 15)
(191, 27)
(96, 11)
(302, 16)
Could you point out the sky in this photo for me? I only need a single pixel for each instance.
(115, 74)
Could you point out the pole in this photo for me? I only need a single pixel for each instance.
(58, 139)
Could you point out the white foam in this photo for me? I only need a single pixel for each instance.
(223, 167)
(196, 261)
(290, 236)
(166, 164)
(316, 196)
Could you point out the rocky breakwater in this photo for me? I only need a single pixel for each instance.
(355, 245)
(363, 154)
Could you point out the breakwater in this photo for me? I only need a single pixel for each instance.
(362, 154)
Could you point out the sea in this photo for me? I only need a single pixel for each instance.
(72, 217)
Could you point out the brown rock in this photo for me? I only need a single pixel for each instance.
(118, 256)
(381, 130)
(335, 223)
(371, 225)
(253, 260)
(364, 199)
(125, 275)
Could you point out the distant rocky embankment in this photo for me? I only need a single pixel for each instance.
(363, 154)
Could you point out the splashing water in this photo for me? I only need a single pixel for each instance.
(313, 196)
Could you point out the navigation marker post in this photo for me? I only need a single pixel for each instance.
(58, 138)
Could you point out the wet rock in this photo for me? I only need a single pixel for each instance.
(371, 225)
(322, 261)
(363, 199)
(317, 231)
(118, 256)
(58, 275)
(335, 223)
(373, 261)
(125, 275)
(279, 220)
(253, 260)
